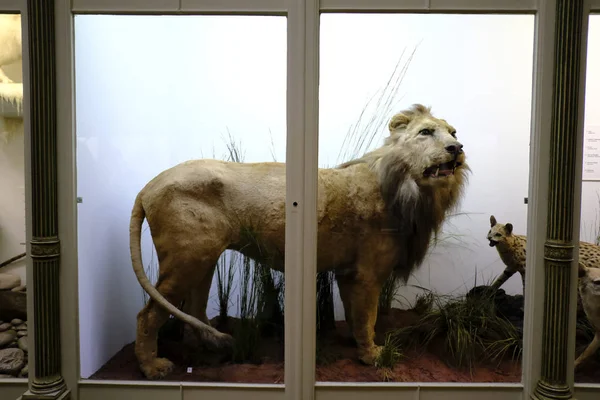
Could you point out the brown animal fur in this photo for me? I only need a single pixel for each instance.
(376, 215)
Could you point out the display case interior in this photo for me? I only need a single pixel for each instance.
(13, 291)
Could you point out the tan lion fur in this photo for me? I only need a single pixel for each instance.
(376, 215)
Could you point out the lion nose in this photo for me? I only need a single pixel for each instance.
(455, 148)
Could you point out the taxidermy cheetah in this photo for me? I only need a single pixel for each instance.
(511, 248)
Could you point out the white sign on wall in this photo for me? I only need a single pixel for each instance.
(591, 153)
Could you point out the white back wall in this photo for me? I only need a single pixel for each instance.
(152, 91)
(12, 191)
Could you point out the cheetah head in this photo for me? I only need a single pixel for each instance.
(589, 279)
(498, 232)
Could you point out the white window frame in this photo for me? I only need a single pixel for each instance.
(302, 156)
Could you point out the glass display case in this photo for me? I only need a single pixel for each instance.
(299, 199)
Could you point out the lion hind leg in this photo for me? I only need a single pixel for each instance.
(174, 283)
(150, 319)
(198, 297)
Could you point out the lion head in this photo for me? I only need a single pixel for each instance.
(421, 152)
(499, 233)
(428, 145)
(421, 164)
(422, 171)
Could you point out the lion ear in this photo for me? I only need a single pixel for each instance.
(398, 121)
(508, 228)
(492, 221)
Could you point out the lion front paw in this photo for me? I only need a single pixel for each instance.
(158, 368)
(371, 355)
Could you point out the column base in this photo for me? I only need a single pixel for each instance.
(60, 394)
(545, 391)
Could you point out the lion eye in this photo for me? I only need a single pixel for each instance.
(453, 134)
(426, 131)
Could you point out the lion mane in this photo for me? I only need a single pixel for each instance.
(377, 215)
(418, 213)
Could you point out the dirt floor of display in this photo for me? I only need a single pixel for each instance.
(336, 362)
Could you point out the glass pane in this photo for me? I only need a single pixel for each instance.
(396, 302)
(153, 94)
(13, 291)
(587, 369)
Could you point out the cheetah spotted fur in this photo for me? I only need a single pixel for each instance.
(511, 248)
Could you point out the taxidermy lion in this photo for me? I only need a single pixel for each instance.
(10, 42)
(376, 215)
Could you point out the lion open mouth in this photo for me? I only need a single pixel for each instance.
(441, 170)
(492, 243)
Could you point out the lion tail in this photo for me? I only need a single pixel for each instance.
(138, 214)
